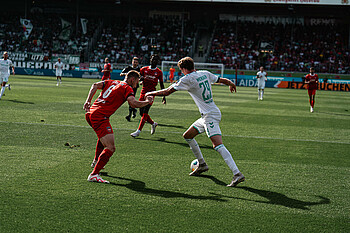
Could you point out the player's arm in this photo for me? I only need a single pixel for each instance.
(93, 89)
(229, 83)
(163, 92)
(123, 73)
(139, 104)
(13, 68)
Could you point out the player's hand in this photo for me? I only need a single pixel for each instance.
(233, 88)
(149, 98)
(164, 100)
(87, 106)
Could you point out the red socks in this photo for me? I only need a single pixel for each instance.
(102, 161)
(145, 117)
(99, 149)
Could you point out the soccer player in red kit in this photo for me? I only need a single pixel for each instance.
(312, 80)
(107, 69)
(114, 94)
(151, 75)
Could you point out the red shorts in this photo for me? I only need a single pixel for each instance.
(311, 92)
(105, 78)
(142, 98)
(100, 124)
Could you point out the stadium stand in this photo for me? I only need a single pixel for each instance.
(161, 35)
(321, 46)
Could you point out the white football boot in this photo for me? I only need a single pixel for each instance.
(153, 127)
(135, 134)
(97, 178)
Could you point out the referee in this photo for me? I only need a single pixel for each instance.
(134, 66)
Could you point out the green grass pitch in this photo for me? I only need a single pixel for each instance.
(296, 163)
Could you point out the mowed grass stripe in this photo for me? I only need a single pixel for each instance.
(173, 132)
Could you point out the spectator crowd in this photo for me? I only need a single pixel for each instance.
(282, 47)
(278, 47)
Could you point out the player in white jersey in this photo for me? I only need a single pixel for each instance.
(59, 67)
(5, 65)
(262, 77)
(198, 85)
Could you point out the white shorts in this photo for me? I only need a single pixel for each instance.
(58, 73)
(208, 123)
(4, 77)
(261, 84)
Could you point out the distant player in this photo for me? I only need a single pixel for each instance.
(150, 76)
(107, 69)
(5, 65)
(312, 80)
(114, 94)
(172, 72)
(198, 85)
(59, 68)
(262, 77)
(134, 66)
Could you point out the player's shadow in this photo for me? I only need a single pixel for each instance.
(172, 126)
(333, 113)
(214, 179)
(164, 140)
(140, 186)
(276, 198)
(19, 102)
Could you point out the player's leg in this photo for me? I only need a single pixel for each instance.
(128, 117)
(195, 129)
(98, 151)
(57, 81)
(2, 89)
(218, 145)
(149, 119)
(109, 148)
(311, 100)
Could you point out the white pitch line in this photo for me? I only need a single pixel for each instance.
(172, 132)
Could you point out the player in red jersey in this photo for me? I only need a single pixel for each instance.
(312, 80)
(107, 69)
(114, 94)
(151, 75)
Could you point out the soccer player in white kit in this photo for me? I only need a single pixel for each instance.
(59, 67)
(262, 77)
(198, 85)
(5, 65)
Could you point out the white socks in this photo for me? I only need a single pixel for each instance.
(2, 91)
(260, 93)
(196, 150)
(226, 155)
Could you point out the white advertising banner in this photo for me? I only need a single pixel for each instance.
(304, 2)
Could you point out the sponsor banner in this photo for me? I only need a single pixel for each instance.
(37, 65)
(322, 86)
(65, 73)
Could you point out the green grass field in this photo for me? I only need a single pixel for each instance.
(296, 163)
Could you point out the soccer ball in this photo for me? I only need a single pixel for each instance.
(194, 164)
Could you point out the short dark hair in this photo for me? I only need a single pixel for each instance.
(312, 68)
(135, 58)
(133, 74)
(186, 63)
